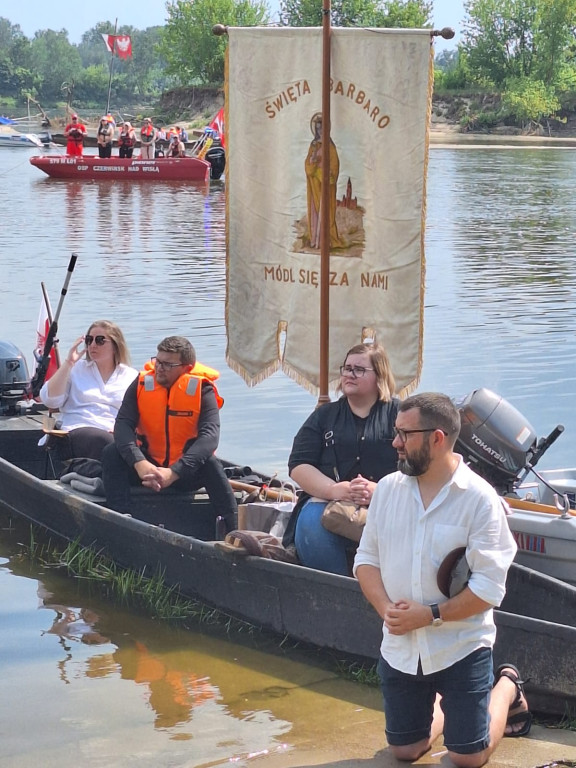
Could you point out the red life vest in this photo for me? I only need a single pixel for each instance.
(169, 418)
(147, 133)
(126, 139)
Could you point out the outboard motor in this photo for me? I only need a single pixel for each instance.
(216, 156)
(14, 378)
(495, 439)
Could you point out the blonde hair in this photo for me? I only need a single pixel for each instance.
(121, 354)
(381, 365)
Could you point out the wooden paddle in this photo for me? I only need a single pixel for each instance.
(266, 492)
(533, 506)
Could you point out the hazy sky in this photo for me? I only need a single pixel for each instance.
(33, 15)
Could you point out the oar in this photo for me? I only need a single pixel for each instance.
(278, 494)
(534, 506)
(42, 368)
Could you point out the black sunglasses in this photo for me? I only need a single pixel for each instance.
(100, 340)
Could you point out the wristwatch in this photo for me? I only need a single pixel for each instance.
(436, 618)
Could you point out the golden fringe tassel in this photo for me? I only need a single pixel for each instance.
(252, 381)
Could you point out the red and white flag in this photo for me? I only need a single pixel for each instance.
(218, 125)
(42, 330)
(119, 44)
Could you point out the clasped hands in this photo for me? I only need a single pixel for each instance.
(405, 616)
(359, 491)
(155, 477)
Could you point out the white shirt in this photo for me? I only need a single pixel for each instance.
(89, 401)
(407, 543)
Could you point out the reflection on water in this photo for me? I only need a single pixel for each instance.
(108, 687)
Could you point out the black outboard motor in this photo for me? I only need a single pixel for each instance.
(14, 378)
(216, 156)
(495, 439)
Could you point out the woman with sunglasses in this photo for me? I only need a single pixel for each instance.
(88, 389)
(340, 452)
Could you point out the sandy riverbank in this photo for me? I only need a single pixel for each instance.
(450, 136)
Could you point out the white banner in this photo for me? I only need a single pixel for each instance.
(380, 112)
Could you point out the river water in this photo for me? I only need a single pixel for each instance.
(500, 312)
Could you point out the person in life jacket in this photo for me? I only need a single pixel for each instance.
(126, 140)
(75, 131)
(177, 147)
(167, 431)
(105, 136)
(147, 140)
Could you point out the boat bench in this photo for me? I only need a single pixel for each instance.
(186, 512)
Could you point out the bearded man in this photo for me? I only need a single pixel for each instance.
(436, 667)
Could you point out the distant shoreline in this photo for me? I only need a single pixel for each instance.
(450, 136)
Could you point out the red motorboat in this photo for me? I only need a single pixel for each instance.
(124, 169)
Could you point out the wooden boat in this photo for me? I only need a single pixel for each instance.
(536, 623)
(123, 169)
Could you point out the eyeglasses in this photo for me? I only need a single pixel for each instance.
(100, 340)
(404, 433)
(356, 371)
(163, 365)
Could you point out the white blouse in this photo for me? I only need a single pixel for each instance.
(89, 401)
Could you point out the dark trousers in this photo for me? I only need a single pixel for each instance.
(118, 478)
(125, 151)
(84, 442)
(105, 151)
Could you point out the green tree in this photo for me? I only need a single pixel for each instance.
(529, 100)
(361, 13)
(407, 14)
(507, 39)
(195, 55)
(16, 74)
(56, 61)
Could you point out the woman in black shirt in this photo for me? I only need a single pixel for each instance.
(340, 452)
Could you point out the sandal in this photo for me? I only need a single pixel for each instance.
(524, 716)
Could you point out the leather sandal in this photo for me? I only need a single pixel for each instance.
(524, 716)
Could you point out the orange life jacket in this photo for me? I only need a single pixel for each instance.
(147, 132)
(169, 418)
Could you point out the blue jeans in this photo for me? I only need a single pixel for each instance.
(317, 547)
(465, 688)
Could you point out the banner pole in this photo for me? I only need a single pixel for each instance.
(324, 351)
(111, 68)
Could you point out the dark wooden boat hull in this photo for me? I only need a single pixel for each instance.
(123, 169)
(536, 624)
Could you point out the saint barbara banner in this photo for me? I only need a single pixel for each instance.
(380, 109)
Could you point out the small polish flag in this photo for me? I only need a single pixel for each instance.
(121, 44)
(42, 330)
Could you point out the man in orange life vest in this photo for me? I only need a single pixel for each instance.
(75, 131)
(167, 430)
